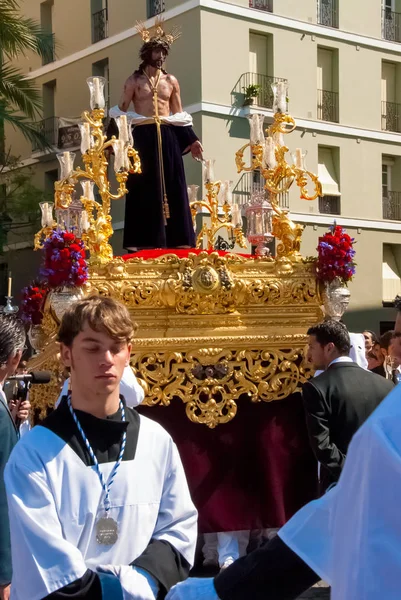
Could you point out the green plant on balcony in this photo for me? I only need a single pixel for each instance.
(251, 92)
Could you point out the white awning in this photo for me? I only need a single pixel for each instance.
(391, 275)
(327, 173)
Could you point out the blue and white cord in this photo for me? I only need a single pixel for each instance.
(106, 486)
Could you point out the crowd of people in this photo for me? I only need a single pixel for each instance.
(94, 501)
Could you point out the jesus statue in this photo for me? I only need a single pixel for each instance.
(157, 212)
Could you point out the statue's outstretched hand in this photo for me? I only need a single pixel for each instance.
(197, 150)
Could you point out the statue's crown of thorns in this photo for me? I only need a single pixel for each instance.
(157, 33)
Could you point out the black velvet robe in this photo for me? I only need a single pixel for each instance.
(144, 220)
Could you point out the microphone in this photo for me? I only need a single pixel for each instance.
(33, 377)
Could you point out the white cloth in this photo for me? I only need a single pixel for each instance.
(358, 351)
(193, 589)
(55, 501)
(129, 388)
(352, 536)
(182, 119)
(136, 583)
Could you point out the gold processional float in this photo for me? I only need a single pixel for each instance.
(212, 328)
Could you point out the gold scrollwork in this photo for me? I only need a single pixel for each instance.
(210, 381)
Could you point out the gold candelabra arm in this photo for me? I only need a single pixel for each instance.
(257, 157)
(281, 123)
(302, 182)
(41, 236)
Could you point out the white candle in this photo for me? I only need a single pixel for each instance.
(67, 164)
(270, 154)
(298, 158)
(123, 128)
(258, 228)
(193, 192)
(209, 174)
(281, 97)
(236, 217)
(119, 161)
(85, 137)
(49, 214)
(84, 221)
(226, 193)
(9, 284)
(97, 95)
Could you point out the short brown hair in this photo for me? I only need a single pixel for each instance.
(102, 314)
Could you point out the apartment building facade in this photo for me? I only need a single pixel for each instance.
(342, 61)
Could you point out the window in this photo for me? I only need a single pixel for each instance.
(327, 84)
(390, 107)
(391, 21)
(49, 124)
(46, 22)
(327, 13)
(100, 20)
(256, 85)
(391, 182)
(155, 7)
(330, 202)
(261, 5)
(391, 271)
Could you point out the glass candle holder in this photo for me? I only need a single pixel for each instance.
(209, 170)
(193, 192)
(87, 189)
(96, 89)
(257, 135)
(85, 137)
(66, 160)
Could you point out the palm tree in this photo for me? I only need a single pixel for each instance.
(20, 101)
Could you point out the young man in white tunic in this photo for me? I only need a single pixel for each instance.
(98, 501)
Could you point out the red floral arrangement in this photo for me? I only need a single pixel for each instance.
(33, 300)
(64, 260)
(336, 256)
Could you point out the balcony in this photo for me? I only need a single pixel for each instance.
(50, 56)
(99, 25)
(391, 116)
(266, 5)
(263, 83)
(392, 206)
(253, 182)
(330, 205)
(327, 106)
(155, 7)
(391, 26)
(49, 128)
(327, 13)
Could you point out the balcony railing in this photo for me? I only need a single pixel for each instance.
(99, 25)
(266, 5)
(392, 206)
(251, 183)
(327, 106)
(50, 56)
(264, 83)
(391, 116)
(330, 205)
(155, 7)
(49, 129)
(327, 13)
(391, 26)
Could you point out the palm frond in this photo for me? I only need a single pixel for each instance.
(19, 34)
(19, 92)
(28, 129)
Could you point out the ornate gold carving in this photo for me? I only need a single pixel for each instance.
(210, 380)
(217, 222)
(207, 329)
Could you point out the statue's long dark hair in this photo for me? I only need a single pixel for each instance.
(145, 54)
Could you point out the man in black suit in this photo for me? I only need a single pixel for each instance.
(339, 400)
(12, 341)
